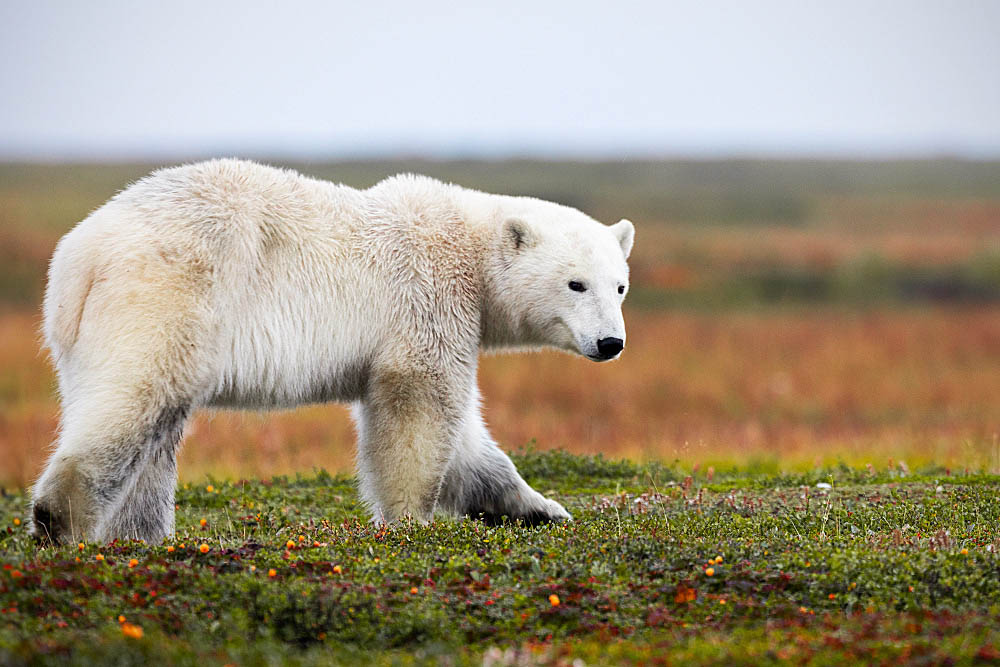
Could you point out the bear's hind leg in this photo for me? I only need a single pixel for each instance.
(64, 500)
(137, 359)
(146, 509)
(108, 477)
(482, 481)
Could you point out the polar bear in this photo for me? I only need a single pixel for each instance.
(229, 284)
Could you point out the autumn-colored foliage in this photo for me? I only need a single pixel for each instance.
(783, 388)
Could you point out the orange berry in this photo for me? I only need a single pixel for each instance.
(832, 596)
(554, 600)
(315, 543)
(133, 563)
(203, 523)
(272, 573)
(204, 548)
(337, 569)
(99, 557)
(130, 630)
(710, 571)
(965, 552)
(170, 550)
(718, 559)
(414, 591)
(80, 546)
(17, 522)
(302, 538)
(121, 619)
(289, 544)
(210, 488)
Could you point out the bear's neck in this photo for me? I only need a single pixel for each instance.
(500, 328)
(495, 328)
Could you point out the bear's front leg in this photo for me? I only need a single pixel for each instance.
(482, 481)
(407, 429)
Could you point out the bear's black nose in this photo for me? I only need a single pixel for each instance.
(609, 347)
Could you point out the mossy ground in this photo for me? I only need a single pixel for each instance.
(660, 565)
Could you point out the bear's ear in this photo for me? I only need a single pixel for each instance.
(517, 234)
(625, 233)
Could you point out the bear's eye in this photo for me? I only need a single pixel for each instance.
(621, 289)
(577, 286)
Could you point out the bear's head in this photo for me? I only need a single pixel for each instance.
(561, 279)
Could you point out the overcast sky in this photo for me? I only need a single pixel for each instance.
(321, 79)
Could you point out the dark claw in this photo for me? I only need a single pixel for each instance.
(46, 527)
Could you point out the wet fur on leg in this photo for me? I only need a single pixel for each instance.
(134, 494)
(145, 510)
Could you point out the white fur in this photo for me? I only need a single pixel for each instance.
(231, 284)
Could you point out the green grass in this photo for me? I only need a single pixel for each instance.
(887, 565)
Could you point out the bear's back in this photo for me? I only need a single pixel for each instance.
(246, 197)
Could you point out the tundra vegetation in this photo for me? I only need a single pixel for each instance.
(661, 565)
